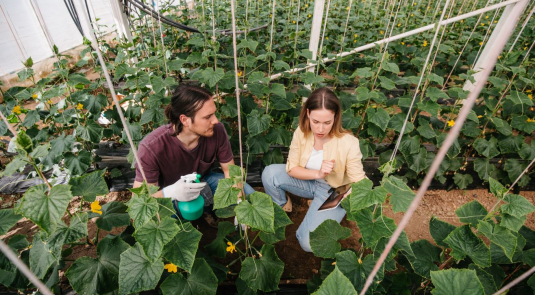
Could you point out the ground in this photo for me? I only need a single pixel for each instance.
(299, 265)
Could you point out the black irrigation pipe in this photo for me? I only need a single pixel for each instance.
(74, 15)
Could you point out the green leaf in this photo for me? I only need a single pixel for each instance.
(89, 185)
(497, 188)
(519, 98)
(521, 123)
(471, 213)
(439, 230)
(363, 73)
(182, 248)
(465, 243)
(14, 166)
(486, 148)
(8, 219)
(400, 194)
(426, 255)
(373, 229)
(336, 283)
(386, 83)
(379, 117)
(280, 136)
(41, 257)
(45, 208)
(257, 122)
(324, 239)
(257, 212)
(278, 90)
(40, 151)
(512, 222)
(435, 93)
(218, 246)
(357, 271)
(95, 104)
(498, 235)
(98, 276)
(502, 126)
(310, 78)
(201, 280)
(510, 144)
(462, 180)
(152, 116)
(272, 238)
(279, 64)
(418, 161)
(24, 142)
(527, 152)
(211, 77)
(90, 132)
(78, 164)
(456, 282)
(273, 156)
(142, 209)
(436, 78)
(396, 123)
(225, 194)
(517, 206)
(391, 67)
(32, 117)
(263, 274)
(153, 236)
(67, 234)
(410, 145)
(136, 272)
(113, 215)
(362, 196)
(62, 144)
(484, 168)
(486, 279)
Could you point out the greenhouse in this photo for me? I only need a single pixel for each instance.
(267, 147)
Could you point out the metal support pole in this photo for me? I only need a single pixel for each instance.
(508, 19)
(121, 20)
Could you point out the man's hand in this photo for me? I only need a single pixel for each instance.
(326, 168)
(183, 191)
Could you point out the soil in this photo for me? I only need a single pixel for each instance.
(299, 265)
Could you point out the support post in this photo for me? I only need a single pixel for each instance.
(317, 19)
(509, 18)
(121, 20)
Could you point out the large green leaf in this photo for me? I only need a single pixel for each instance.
(401, 195)
(153, 236)
(142, 209)
(517, 205)
(257, 122)
(487, 148)
(136, 272)
(425, 258)
(257, 212)
(41, 257)
(264, 273)
(64, 234)
(439, 230)
(45, 208)
(471, 213)
(211, 77)
(101, 275)
(273, 156)
(78, 164)
(225, 195)
(497, 188)
(362, 196)
(527, 151)
(357, 270)
(511, 222)
(324, 239)
(486, 279)
(8, 219)
(182, 248)
(280, 136)
(201, 280)
(218, 246)
(373, 229)
(498, 235)
(465, 243)
(462, 180)
(379, 117)
(113, 215)
(456, 282)
(418, 161)
(484, 168)
(514, 169)
(89, 185)
(90, 132)
(15, 165)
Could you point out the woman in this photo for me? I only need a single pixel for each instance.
(322, 156)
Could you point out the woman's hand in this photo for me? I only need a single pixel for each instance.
(326, 168)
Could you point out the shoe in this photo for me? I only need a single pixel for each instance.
(288, 206)
(210, 219)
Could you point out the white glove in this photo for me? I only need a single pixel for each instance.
(183, 191)
(243, 226)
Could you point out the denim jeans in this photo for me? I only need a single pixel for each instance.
(276, 182)
(212, 179)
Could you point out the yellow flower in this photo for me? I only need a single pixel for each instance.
(34, 96)
(354, 41)
(412, 14)
(482, 24)
(530, 96)
(425, 43)
(16, 110)
(231, 247)
(79, 106)
(310, 15)
(240, 73)
(486, 16)
(326, 38)
(480, 43)
(360, 261)
(402, 43)
(356, 35)
(451, 123)
(525, 48)
(49, 101)
(528, 91)
(96, 208)
(306, 5)
(294, 22)
(499, 57)
(462, 20)
(495, 21)
(347, 8)
(381, 32)
(374, 106)
(399, 25)
(30, 247)
(480, 116)
(414, 4)
(171, 268)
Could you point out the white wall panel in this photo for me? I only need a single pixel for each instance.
(62, 29)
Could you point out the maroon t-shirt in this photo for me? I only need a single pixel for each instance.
(165, 159)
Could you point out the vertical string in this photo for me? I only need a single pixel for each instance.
(161, 37)
(522, 29)
(323, 36)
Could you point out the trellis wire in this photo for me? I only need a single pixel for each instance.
(94, 42)
(345, 31)
(161, 36)
(522, 29)
(450, 138)
(515, 281)
(424, 69)
(486, 35)
(23, 268)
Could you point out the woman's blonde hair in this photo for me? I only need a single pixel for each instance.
(322, 98)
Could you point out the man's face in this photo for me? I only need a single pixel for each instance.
(205, 119)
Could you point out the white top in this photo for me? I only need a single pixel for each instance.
(315, 161)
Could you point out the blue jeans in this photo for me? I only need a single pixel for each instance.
(276, 182)
(212, 179)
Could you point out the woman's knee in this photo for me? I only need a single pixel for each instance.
(270, 172)
(303, 236)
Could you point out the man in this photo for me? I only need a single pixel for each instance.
(191, 142)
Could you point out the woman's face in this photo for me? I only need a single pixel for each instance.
(321, 122)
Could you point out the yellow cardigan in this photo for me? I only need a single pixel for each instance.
(344, 150)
